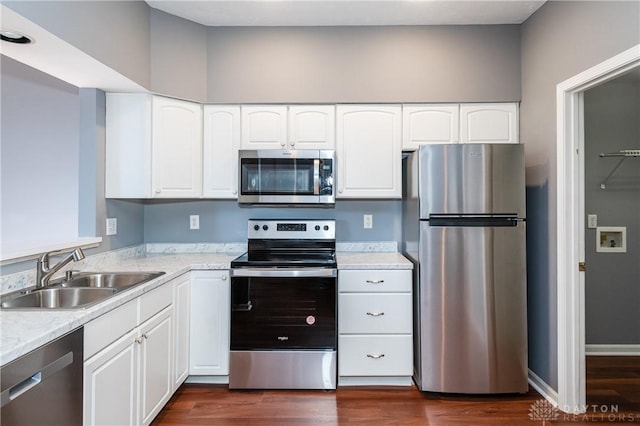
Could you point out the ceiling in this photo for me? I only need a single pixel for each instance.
(349, 12)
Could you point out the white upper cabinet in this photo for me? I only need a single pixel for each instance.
(264, 127)
(489, 123)
(288, 127)
(153, 147)
(312, 127)
(220, 151)
(369, 151)
(429, 123)
(177, 148)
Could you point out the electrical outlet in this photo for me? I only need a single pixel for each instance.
(194, 221)
(367, 221)
(112, 226)
(592, 221)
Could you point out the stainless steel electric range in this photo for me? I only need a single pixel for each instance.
(283, 307)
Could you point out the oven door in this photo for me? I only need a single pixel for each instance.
(286, 177)
(283, 309)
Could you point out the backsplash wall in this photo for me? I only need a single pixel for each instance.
(225, 221)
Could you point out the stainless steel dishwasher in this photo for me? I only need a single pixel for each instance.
(44, 387)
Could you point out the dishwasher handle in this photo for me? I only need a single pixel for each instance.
(35, 379)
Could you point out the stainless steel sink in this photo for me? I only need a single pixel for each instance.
(115, 280)
(60, 298)
(77, 291)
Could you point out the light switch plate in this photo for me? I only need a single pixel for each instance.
(112, 226)
(367, 221)
(592, 221)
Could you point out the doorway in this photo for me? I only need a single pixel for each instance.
(571, 224)
(612, 276)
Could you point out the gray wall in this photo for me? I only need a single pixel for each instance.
(559, 41)
(364, 64)
(612, 281)
(53, 151)
(115, 33)
(178, 57)
(39, 154)
(225, 221)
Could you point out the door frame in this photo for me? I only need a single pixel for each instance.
(570, 224)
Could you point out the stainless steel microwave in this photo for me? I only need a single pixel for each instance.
(291, 177)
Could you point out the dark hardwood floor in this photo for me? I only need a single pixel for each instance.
(613, 385)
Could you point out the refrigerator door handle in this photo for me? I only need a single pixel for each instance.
(479, 220)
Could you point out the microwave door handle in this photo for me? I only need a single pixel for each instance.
(316, 176)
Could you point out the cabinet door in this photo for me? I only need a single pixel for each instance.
(128, 145)
(369, 151)
(210, 310)
(312, 127)
(110, 384)
(264, 127)
(221, 144)
(489, 123)
(425, 124)
(155, 373)
(177, 149)
(181, 303)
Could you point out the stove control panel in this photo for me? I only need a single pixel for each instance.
(323, 229)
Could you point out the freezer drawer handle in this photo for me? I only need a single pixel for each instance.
(375, 281)
(375, 356)
(375, 314)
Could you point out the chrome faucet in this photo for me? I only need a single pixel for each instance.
(44, 272)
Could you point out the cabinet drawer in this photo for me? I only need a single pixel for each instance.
(361, 313)
(375, 355)
(109, 327)
(370, 281)
(153, 302)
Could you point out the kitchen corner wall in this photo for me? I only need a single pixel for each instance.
(559, 40)
(612, 280)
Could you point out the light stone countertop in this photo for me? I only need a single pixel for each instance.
(22, 331)
(372, 260)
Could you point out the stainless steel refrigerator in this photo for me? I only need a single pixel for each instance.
(464, 229)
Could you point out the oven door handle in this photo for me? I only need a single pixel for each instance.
(284, 273)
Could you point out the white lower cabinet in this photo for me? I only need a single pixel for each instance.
(181, 318)
(375, 323)
(209, 329)
(128, 368)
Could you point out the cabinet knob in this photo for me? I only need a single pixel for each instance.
(375, 314)
(375, 356)
(375, 281)
(292, 143)
(157, 191)
(282, 144)
(224, 278)
(340, 191)
(234, 192)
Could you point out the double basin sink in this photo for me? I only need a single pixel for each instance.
(78, 291)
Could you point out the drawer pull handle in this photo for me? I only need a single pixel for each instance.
(375, 356)
(375, 314)
(375, 281)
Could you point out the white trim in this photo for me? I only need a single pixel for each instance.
(570, 223)
(209, 380)
(612, 350)
(543, 388)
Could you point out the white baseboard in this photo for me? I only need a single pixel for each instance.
(549, 393)
(215, 380)
(612, 350)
